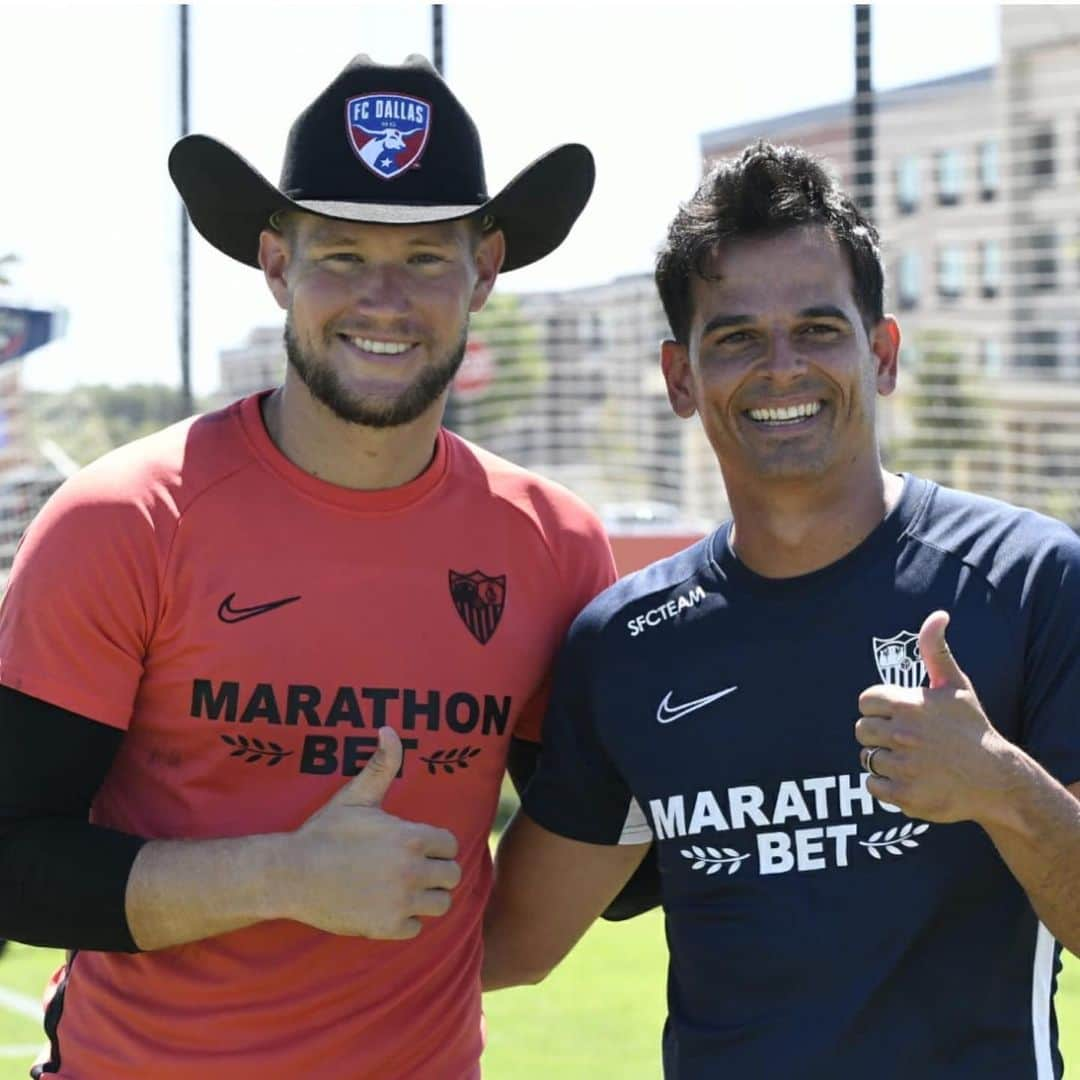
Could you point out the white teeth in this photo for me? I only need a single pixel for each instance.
(788, 412)
(389, 348)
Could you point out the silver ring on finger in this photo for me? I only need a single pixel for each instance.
(869, 763)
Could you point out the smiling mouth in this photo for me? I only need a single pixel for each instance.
(785, 414)
(378, 348)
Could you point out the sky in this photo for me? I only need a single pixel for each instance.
(89, 109)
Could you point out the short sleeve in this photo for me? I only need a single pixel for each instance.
(1051, 722)
(81, 603)
(587, 568)
(576, 791)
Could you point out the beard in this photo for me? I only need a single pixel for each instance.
(414, 400)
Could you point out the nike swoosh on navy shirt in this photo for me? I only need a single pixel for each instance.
(665, 714)
(227, 613)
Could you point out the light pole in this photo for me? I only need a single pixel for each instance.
(187, 404)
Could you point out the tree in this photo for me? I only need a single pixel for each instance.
(88, 421)
(520, 369)
(951, 418)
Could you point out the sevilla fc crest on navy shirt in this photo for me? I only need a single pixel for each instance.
(388, 132)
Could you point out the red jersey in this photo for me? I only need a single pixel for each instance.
(251, 626)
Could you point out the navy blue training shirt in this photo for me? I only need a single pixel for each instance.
(813, 931)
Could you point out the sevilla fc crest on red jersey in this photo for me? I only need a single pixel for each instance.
(479, 600)
(388, 132)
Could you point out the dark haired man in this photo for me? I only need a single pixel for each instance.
(822, 921)
(278, 653)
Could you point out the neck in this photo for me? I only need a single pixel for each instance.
(349, 455)
(786, 529)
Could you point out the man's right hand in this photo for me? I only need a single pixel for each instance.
(354, 869)
(351, 868)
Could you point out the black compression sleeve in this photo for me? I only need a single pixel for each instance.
(62, 880)
(642, 892)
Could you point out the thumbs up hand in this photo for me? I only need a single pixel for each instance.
(931, 750)
(352, 868)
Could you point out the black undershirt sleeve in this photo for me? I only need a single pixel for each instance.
(642, 892)
(62, 880)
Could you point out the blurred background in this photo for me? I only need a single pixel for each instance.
(956, 125)
(962, 139)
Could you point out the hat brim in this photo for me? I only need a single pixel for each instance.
(230, 202)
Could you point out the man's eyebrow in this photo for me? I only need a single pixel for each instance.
(331, 237)
(824, 311)
(718, 322)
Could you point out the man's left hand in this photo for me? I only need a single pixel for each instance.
(939, 757)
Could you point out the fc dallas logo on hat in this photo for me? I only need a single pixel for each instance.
(388, 132)
(479, 599)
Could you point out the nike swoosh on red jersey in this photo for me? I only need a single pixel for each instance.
(665, 714)
(227, 613)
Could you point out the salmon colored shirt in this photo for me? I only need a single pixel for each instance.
(250, 626)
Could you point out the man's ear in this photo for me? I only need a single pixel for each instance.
(488, 260)
(274, 260)
(675, 364)
(885, 345)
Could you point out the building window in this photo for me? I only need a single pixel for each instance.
(991, 357)
(1040, 267)
(990, 267)
(950, 176)
(989, 169)
(1037, 349)
(1042, 157)
(907, 185)
(950, 273)
(907, 280)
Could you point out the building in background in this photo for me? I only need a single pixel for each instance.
(255, 365)
(977, 198)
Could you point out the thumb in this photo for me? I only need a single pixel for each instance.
(940, 663)
(370, 786)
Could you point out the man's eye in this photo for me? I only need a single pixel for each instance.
(739, 337)
(343, 257)
(821, 330)
(426, 258)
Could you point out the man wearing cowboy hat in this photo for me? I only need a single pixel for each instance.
(277, 654)
(868, 832)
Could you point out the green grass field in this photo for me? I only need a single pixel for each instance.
(599, 1015)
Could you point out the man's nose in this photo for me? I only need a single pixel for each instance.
(784, 359)
(383, 290)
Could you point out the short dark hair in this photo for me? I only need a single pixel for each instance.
(766, 189)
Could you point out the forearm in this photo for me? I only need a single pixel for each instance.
(1035, 824)
(62, 884)
(548, 891)
(186, 890)
(642, 892)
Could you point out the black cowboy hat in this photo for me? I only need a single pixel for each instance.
(387, 145)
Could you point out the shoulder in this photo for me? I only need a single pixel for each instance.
(505, 487)
(146, 485)
(657, 592)
(995, 538)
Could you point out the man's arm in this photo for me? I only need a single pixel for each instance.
(642, 892)
(941, 759)
(1035, 826)
(349, 869)
(548, 891)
